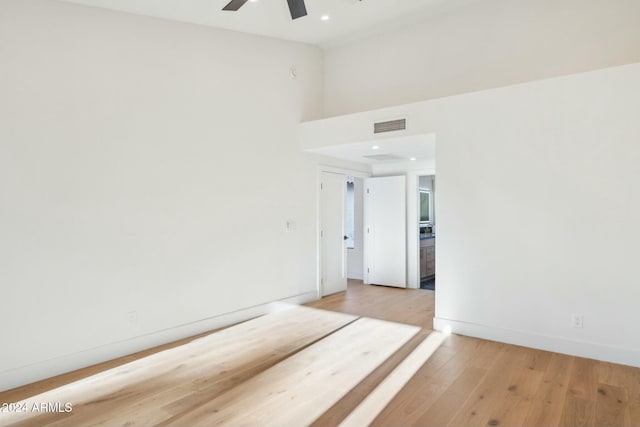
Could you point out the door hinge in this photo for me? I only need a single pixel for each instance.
(368, 230)
(321, 281)
(367, 190)
(321, 186)
(368, 270)
(321, 233)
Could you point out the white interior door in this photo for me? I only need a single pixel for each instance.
(333, 198)
(385, 231)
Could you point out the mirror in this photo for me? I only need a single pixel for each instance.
(425, 207)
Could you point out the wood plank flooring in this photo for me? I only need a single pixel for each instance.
(158, 387)
(467, 381)
(299, 389)
(380, 397)
(408, 306)
(473, 382)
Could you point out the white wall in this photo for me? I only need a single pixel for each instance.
(354, 256)
(481, 45)
(145, 166)
(537, 208)
(426, 182)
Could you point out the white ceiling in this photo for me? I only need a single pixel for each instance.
(350, 19)
(420, 147)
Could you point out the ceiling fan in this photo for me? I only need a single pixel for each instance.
(296, 7)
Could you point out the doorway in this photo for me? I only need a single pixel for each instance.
(333, 198)
(340, 231)
(354, 228)
(427, 231)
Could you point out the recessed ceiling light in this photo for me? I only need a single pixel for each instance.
(375, 147)
(323, 17)
(412, 159)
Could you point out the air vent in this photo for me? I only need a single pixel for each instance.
(390, 126)
(383, 157)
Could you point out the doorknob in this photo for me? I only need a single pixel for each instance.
(345, 237)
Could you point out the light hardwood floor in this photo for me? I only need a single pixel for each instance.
(302, 359)
(473, 382)
(409, 306)
(466, 382)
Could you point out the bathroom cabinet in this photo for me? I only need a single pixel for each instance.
(427, 258)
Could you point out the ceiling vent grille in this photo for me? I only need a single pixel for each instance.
(390, 126)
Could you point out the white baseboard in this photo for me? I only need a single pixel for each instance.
(50, 368)
(591, 350)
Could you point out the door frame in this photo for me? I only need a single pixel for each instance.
(319, 171)
(413, 225)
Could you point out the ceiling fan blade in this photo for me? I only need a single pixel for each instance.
(234, 5)
(297, 8)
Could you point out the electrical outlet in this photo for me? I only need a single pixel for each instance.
(577, 320)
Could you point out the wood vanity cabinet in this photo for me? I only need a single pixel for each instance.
(427, 258)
